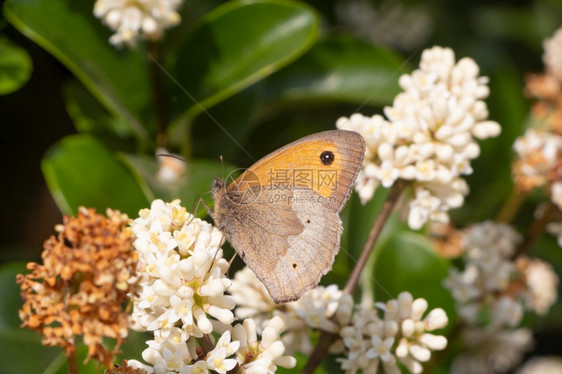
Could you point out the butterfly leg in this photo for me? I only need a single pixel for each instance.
(207, 208)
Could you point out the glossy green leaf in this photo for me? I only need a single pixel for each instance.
(236, 45)
(15, 67)
(89, 116)
(407, 262)
(69, 30)
(194, 183)
(340, 68)
(79, 170)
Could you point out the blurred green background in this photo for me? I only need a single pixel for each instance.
(86, 120)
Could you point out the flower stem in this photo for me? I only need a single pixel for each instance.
(206, 343)
(157, 92)
(72, 362)
(537, 229)
(511, 206)
(387, 208)
(326, 338)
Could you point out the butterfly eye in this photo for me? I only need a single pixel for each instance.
(327, 157)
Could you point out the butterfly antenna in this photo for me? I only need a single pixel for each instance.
(222, 163)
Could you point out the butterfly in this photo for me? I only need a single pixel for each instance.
(282, 214)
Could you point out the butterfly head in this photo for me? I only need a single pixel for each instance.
(218, 184)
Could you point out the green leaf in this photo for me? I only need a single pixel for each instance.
(69, 31)
(238, 44)
(15, 67)
(340, 68)
(81, 171)
(194, 182)
(89, 116)
(407, 262)
(11, 300)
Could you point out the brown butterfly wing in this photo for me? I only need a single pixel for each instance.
(298, 166)
(288, 247)
(289, 234)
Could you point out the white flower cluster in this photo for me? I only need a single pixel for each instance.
(387, 23)
(491, 278)
(137, 19)
(429, 135)
(488, 269)
(402, 333)
(181, 298)
(313, 309)
(488, 351)
(492, 293)
(367, 340)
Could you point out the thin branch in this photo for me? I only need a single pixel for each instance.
(538, 228)
(158, 93)
(326, 338)
(72, 362)
(511, 206)
(387, 208)
(206, 343)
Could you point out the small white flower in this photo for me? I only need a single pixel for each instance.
(137, 19)
(261, 356)
(217, 358)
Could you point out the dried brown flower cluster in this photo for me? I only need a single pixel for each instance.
(81, 288)
(546, 88)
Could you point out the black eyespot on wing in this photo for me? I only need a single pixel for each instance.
(294, 265)
(307, 221)
(327, 157)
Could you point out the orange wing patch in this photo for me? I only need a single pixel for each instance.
(326, 165)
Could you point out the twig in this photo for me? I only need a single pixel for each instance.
(72, 362)
(387, 208)
(511, 206)
(157, 92)
(538, 228)
(206, 343)
(326, 338)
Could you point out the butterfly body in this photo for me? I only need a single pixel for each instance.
(282, 214)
